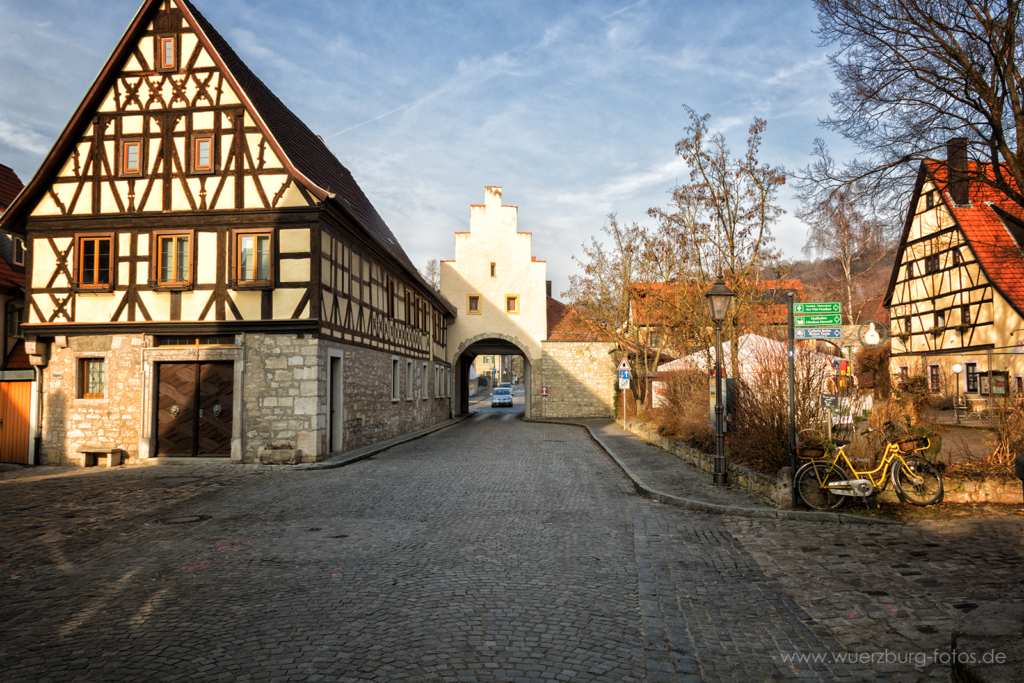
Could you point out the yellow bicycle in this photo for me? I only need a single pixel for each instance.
(825, 483)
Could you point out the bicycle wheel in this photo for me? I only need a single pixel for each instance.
(919, 482)
(809, 480)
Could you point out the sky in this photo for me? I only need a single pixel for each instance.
(574, 108)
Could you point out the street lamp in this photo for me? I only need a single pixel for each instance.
(957, 369)
(719, 297)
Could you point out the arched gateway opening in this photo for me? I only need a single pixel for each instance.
(486, 345)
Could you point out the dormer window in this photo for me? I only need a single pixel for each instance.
(167, 53)
(131, 158)
(19, 252)
(202, 153)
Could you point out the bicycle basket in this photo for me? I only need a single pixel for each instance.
(909, 444)
(810, 452)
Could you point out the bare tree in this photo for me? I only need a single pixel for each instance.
(432, 273)
(914, 74)
(842, 229)
(722, 218)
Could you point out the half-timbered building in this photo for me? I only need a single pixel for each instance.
(207, 279)
(956, 294)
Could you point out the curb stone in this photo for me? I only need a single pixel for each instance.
(714, 508)
(374, 449)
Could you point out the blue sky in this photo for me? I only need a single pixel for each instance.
(573, 107)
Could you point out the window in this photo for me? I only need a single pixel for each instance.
(92, 377)
(15, 316)
(391, 298)
(1018, 385)
(904, 372)
(972, 377)
(394, 379)
(131, 158)
(956, 257)
(473, 304)
(19, 252)
(908, 325)
(94, 262)
(167, 53)
(931, 263)
(910, 270)
(409, 313)
(212, 340)
(252, 258)
(408, 380)
(493, 269)
(929, 200)
(934, 379)
(965, 314)
(426, 382)
(174, 259)
(940, 320)
(512, 304)
(202, 153)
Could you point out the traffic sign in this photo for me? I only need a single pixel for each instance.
(624, 365)
(818, 307)
(817, 320)
(818, 333)
(623, 382)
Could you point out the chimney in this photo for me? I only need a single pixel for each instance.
(957, 168)
(549, 287)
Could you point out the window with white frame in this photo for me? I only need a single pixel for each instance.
(408, 380)
(394, 379)
(426, 383)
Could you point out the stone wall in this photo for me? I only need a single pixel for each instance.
(71, 423)
(369, 413)
(282, 404)
(580, 378)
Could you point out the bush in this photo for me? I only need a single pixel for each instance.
(759, 432)
(684, 412)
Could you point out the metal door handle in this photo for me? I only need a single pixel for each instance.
(200, 412)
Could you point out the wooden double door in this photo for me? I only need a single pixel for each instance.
(194, 409)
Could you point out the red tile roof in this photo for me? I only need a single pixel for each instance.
(10, 277)
(565, 324)
(10, 186)
(986, 222)
(17, 359)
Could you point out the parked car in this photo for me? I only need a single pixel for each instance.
(502, 396)
(505, 385)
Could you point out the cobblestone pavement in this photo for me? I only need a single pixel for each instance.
(495, 550)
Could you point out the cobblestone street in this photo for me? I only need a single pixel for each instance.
(494, 550)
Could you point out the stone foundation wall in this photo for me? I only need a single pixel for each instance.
(369, 413)
(283, 404)
(71, 423)
(580, 378)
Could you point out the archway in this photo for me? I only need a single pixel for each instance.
(486, 344)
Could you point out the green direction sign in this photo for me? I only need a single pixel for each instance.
(817, 320)
(818, 307)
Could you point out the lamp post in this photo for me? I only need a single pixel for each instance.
(957, 369)
(719, 298)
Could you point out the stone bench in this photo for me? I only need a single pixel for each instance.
(90, 456)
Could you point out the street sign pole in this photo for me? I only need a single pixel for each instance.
(792, 404)
(624, 377)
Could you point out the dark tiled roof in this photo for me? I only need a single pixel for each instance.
(10, 186)
(304, 149)
(988, 233)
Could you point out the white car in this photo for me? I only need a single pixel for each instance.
(502, 396)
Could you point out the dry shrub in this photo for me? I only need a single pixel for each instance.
(684, 413)
(876, 362)
(759, 432)
(1008, 424)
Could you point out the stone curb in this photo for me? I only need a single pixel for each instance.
(714, 508)
(374, 449)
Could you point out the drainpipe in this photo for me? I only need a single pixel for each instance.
(37, 416)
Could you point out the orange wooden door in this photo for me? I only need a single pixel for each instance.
(15, 403)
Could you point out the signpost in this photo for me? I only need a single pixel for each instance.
(809, 320)
(819, 333)
(624, 371)
(817, 320)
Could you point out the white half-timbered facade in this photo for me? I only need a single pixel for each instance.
(956, 295)
(205, 278)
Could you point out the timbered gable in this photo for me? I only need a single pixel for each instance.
(953, 284)
(170, 138)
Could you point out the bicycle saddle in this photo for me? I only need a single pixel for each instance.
(840, 443)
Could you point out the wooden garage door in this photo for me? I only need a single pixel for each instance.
(194, 405)
(15, 403)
